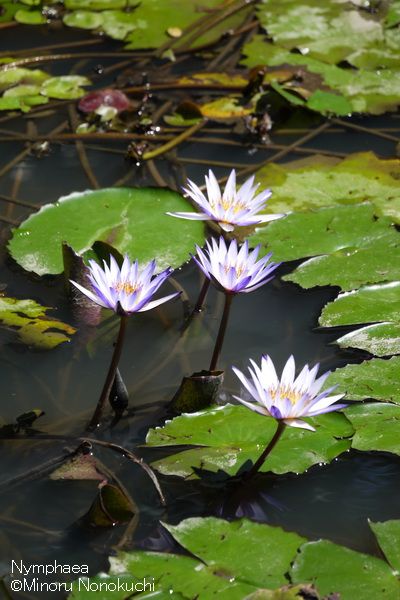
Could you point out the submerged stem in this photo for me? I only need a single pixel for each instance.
(221, 332)
(95, 420)
(263, 457)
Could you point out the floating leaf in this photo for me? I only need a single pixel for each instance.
(11, 76)
(334, 568)
(84, 19)
(32, 325)
(133, 220)
(382, 339)
(351, 268)
(323, 231)
(224, 108)
(66, 87)
(217, 567)
(321, 181)
(99, 4)
(210, 78)
(375, 378)
(328, 31)
(30, 17)
(228, 436)
(377, 427)
(388, 536)
(366, 91)
(369, 304)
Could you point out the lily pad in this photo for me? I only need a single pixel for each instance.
(377, 427)
(388, 536)
(30, 17)
(321, 181)
(332, 31)
(228, 436)
(32, 325)
(133, 220)
(382, 339)
(323, 231)
(379, 304)
(352, 268)
(65, 87)
(367, 91)
(376, 378)
(334, 568)
(367, 305)
(217, 566)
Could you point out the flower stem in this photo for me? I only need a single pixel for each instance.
(95, 420)
(221, 332)
(202, 295)
(262, 458)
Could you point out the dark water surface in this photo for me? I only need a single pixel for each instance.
(41, 519)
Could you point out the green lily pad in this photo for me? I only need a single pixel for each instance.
(32, 325)
(30, 17)
(17, 75)
(334, 568)
(65, 87)
(217, 567)
(352, 268)
(215, 564)
(83, 19)
(376, 378)
(228, 436)
(327, 31)
(99, 4)
(133, 220)
(382, 339)
(154, 19)
(367, 305)
(377, 427)
(379, 304)
(323, 231)
(321, 181)
(388, 536)
(367, 91)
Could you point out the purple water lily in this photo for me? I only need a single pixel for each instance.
(125, 290)
(232, 207)
(288, 399)
(234, 270)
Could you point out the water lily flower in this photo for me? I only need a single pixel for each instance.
(234, 270)
(232, 207)
(288, 399)
(125, 290)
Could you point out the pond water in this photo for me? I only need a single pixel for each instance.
(41, 520)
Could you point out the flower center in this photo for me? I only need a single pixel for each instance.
(125, 286)
(284, 392)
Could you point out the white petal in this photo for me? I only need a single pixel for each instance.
(191, 216)
(155, 303)
(288, 373)
(253, 406)
(298, 423)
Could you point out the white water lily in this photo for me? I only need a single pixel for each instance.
(289, 398)
(230, 208)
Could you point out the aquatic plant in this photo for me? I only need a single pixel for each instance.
(231, 208)
(287, 399)
(126, 291)
(233, 271)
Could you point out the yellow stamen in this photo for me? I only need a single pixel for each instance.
(293, 395)
(125, 286)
